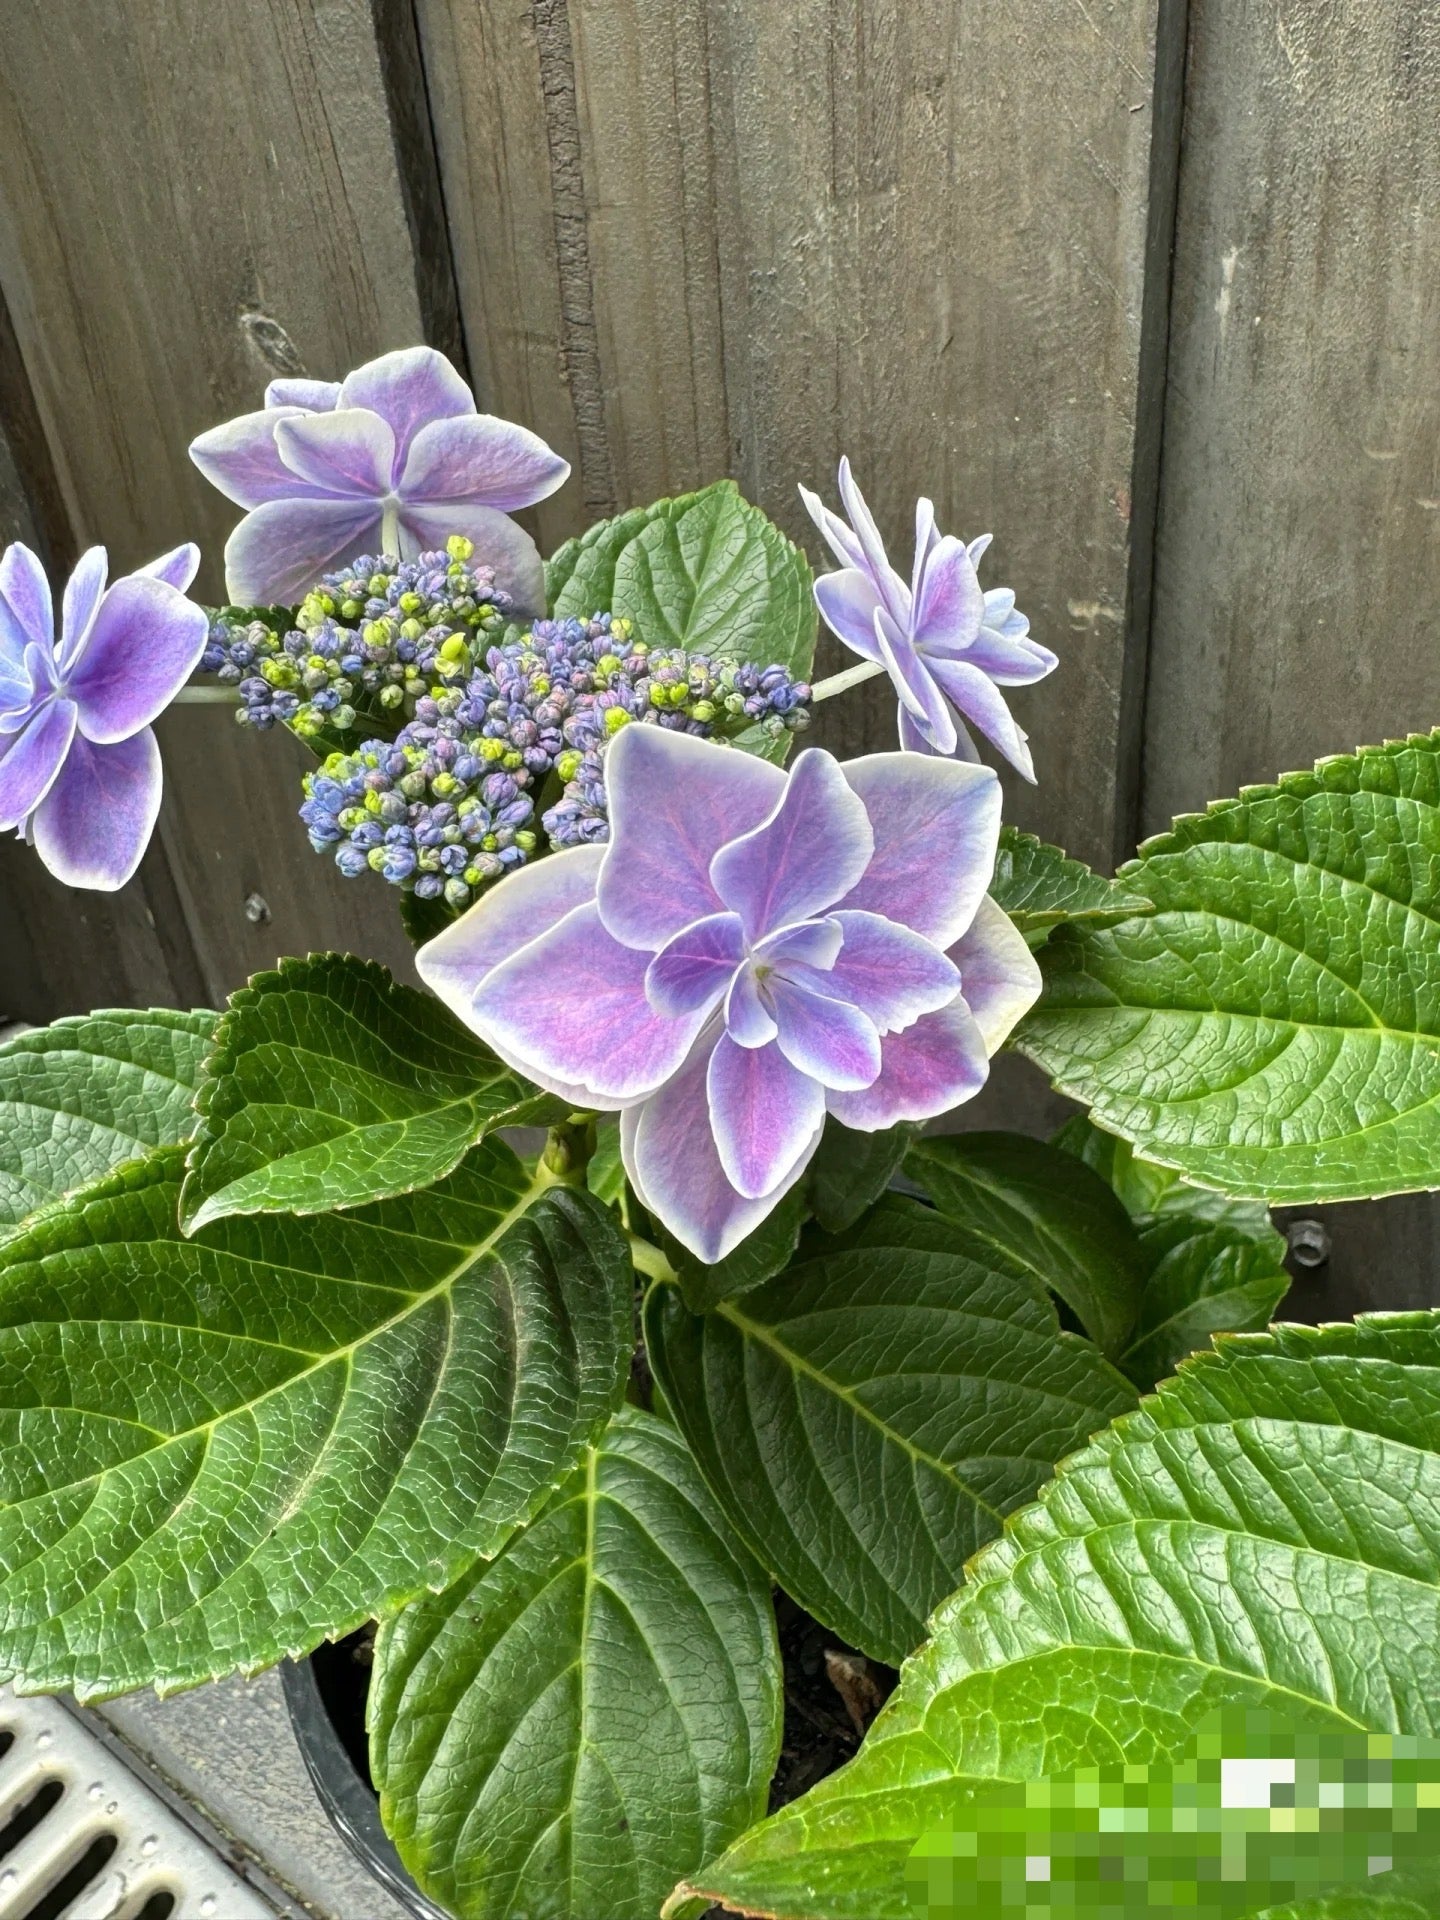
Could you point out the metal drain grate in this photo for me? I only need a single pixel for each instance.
(81, 1838)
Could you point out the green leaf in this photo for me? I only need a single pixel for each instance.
(707, 572)
(1264, 1533)
(867, 1419)
(1042, 888)
(851, 1170)
(1213, 1264)
(1273, 1029)
(329, 1084)
(85, 1095)
(1038, 1211)
(605, 1171)
(218, 1450)
(594, 1713)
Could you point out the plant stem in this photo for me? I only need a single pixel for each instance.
(205, 697)
(842, 682)
(647, 1258)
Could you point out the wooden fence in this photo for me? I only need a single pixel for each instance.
(1151, 292)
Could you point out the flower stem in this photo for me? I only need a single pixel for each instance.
(205, 697)
(390, 531)
(647, 1258)
(842, 682)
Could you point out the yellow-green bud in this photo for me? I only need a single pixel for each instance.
(568, 764)
(459, 548)
(615, 719)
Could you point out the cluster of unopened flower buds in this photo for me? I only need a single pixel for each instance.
(368, 641)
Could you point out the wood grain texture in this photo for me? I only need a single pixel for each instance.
(757, 236)
(194, 198)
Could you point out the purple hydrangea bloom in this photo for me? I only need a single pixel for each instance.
(393, 457)
(79, 764)
(750, 952)
(947, 645)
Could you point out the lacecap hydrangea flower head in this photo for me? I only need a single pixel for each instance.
(751, 951)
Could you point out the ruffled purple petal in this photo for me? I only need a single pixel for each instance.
(999, 976)
(837, 536)
(141, 647)
(949, 607)
(978, 698)
(1010, 662)
(804, 858)
(919, 807)
(826, 1039)
(914, 739)
(479, 457)
(350, 452)
(890, 973)
(675, 800)
(83, 592)
(764, 1114)
(498, 543)
(503, 921)
(241, 459)
(176, 568)
(315, 396)
(692, 971)
(407, 389)
(571, 1008)
(893, 591)
(748, 1021)
(978, 547)
(926, 539)
(809, 943)
(931, 1067)
(95, 822)
(31, 759)
(674, 1165)
(26, 612)
(912, 681)
(848, 602)
(279, 551)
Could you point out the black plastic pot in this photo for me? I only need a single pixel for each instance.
(345, 1794)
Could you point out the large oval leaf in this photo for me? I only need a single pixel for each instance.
(868, 1418)
(570, 1728)
(1264, 1533)
(220, 1450)
(85, 1095)
(330, 1084)
(1042, 888)
(1273, 1028)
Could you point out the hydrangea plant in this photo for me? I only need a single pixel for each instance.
(560, 1316)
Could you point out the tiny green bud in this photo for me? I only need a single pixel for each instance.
(615, 719)
(459, 548)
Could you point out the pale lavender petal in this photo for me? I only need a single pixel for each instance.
(31, 758)
(999, 976)
(315, 396)
(479, 457)
(142, 646)
(748, 1021)
(82, 596)
(838, 537)
(848, 601)
(914, 739)
(351, 452)
(407, 389)
(977, 548)
(280, 550)
(176, 568)
(926, 537)
(498, 543)
(978, 698)
(240, 457)
(95, 822)
(804, 858)
(571, 1008)
(949, 607)
(764, 1114)
(810, 943)
(1010, 662)
(891, 973)
(932, 1066)
(893, 590)
(26, 612)
(674, 802)
(693, 970)
(919, 807)
(674, 1166)
(1000, 611)
(505, 919)
(913, 682)
(826, 1039)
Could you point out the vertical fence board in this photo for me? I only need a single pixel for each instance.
(192, 199)
(756, 237)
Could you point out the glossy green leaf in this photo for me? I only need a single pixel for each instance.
(868, 1418)
(1272, 1030)
(707, 572)
(86, 1095)
(851, 1170)
(605, 1173)
(1264, 1532)
(330, 1084)
(572, 1727)
(1041, 888)
(218, 1450)
(1040, 1212)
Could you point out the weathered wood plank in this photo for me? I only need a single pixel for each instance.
(758, 236)
(193, 198)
